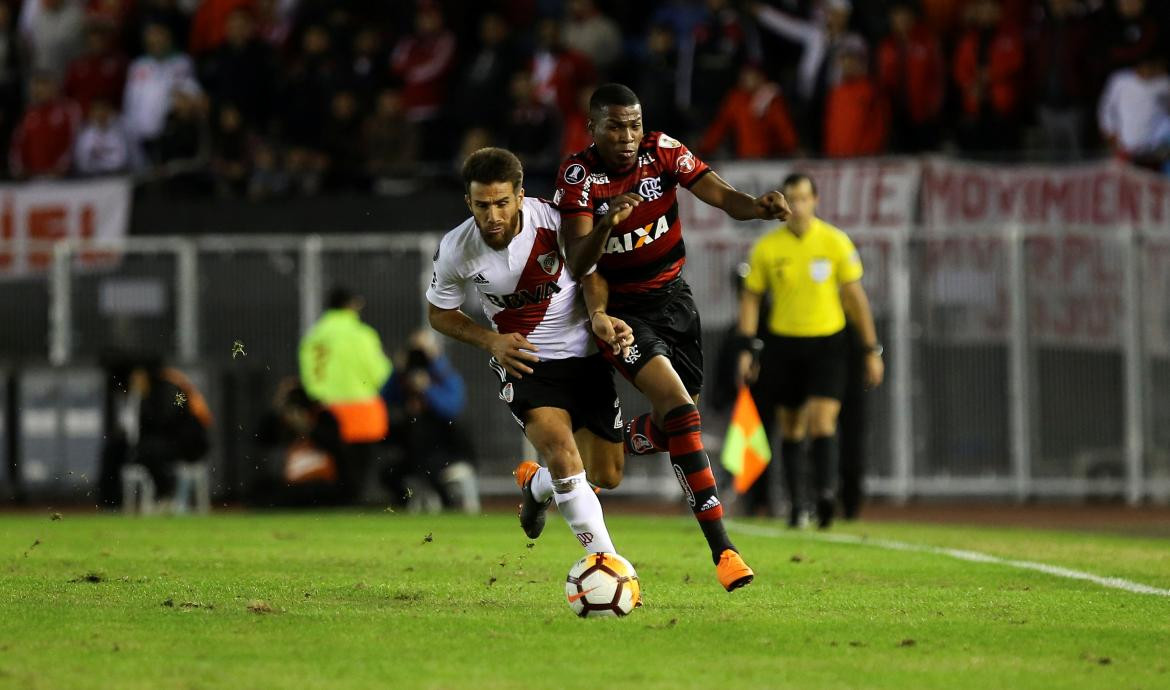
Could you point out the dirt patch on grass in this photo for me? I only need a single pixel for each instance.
(90, 577)
(260, 607)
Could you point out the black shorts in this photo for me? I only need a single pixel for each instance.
(793, 370)
(582, 386)
(666, 325)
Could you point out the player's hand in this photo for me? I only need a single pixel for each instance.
(615, 332)
(772, 206)
(512, 350)
(747, 370)
(620, 208)
(875, 370)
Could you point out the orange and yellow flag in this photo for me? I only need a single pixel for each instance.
(745, 449)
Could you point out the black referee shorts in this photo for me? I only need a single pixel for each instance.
(667, 325)
(582, 386)
(792, 369)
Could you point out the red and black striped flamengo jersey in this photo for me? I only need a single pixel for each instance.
(645, 252)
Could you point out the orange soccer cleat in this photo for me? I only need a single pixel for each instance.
(733, 572)
(532, 511)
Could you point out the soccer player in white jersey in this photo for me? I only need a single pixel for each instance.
(559, 389)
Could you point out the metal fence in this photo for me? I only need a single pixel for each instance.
(1003, 380)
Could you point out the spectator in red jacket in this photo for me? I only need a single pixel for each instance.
(912, 74)
(558, 73)
(209, 25)
(755, 115)
(856, 114)
(988, 69)
(100, 73)
(43, 141)
(577, 136)
(423, 61)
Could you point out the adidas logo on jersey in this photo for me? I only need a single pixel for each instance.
(478, 279)
(638, 237)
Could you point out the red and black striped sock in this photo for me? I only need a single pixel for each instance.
(643, 437)
(684, 434)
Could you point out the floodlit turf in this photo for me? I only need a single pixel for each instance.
(315, 600)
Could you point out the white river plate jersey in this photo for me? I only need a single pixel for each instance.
(525, 287)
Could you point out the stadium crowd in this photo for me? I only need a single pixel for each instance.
(267, 98)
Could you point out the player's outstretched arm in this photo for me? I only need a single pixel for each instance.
(714, 191)
(511, 350)
(585, 240)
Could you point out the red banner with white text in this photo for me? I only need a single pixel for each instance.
(34, 215)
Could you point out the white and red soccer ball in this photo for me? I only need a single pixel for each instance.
(602, 584)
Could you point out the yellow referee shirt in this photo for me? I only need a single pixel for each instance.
(804, 275)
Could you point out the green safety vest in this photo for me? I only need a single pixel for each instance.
(342, 360)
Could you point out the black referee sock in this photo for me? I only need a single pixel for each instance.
(824, 458)
(684, 435)
(792, 458)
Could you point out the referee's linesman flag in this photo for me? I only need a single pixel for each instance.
(745, 449)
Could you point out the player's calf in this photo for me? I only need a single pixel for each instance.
(604, 459)
(692, 467)
(550, 431)
(644, 437)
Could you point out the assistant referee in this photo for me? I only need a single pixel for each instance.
(813, 274)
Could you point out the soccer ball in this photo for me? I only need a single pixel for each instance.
(602, 584)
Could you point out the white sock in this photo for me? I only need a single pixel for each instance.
(542, 488)
(581, 509)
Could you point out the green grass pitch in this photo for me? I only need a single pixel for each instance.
(381, 600)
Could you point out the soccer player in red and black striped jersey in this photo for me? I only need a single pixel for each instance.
(619, 212)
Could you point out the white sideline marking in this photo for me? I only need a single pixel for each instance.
(961, 554)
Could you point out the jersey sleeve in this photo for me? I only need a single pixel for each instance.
(447, 286)
(573, 195)
(757, 277)
(848, 260)
(680, 161)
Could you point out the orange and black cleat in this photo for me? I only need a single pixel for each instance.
(532, 511)
(733, 572)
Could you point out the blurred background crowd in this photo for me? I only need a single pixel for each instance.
(270, 98)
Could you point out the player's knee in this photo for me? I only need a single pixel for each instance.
(562, 457)
(607, 477)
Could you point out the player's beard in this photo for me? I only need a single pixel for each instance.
(501, 240)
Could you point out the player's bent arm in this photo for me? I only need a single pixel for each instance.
(715, 191)
(453, 323)
(583, 244)
(612, 330)
(585, 240)
(596, 293)
(511, 350)
(856, 305)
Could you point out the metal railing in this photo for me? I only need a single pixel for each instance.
(988, 392)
